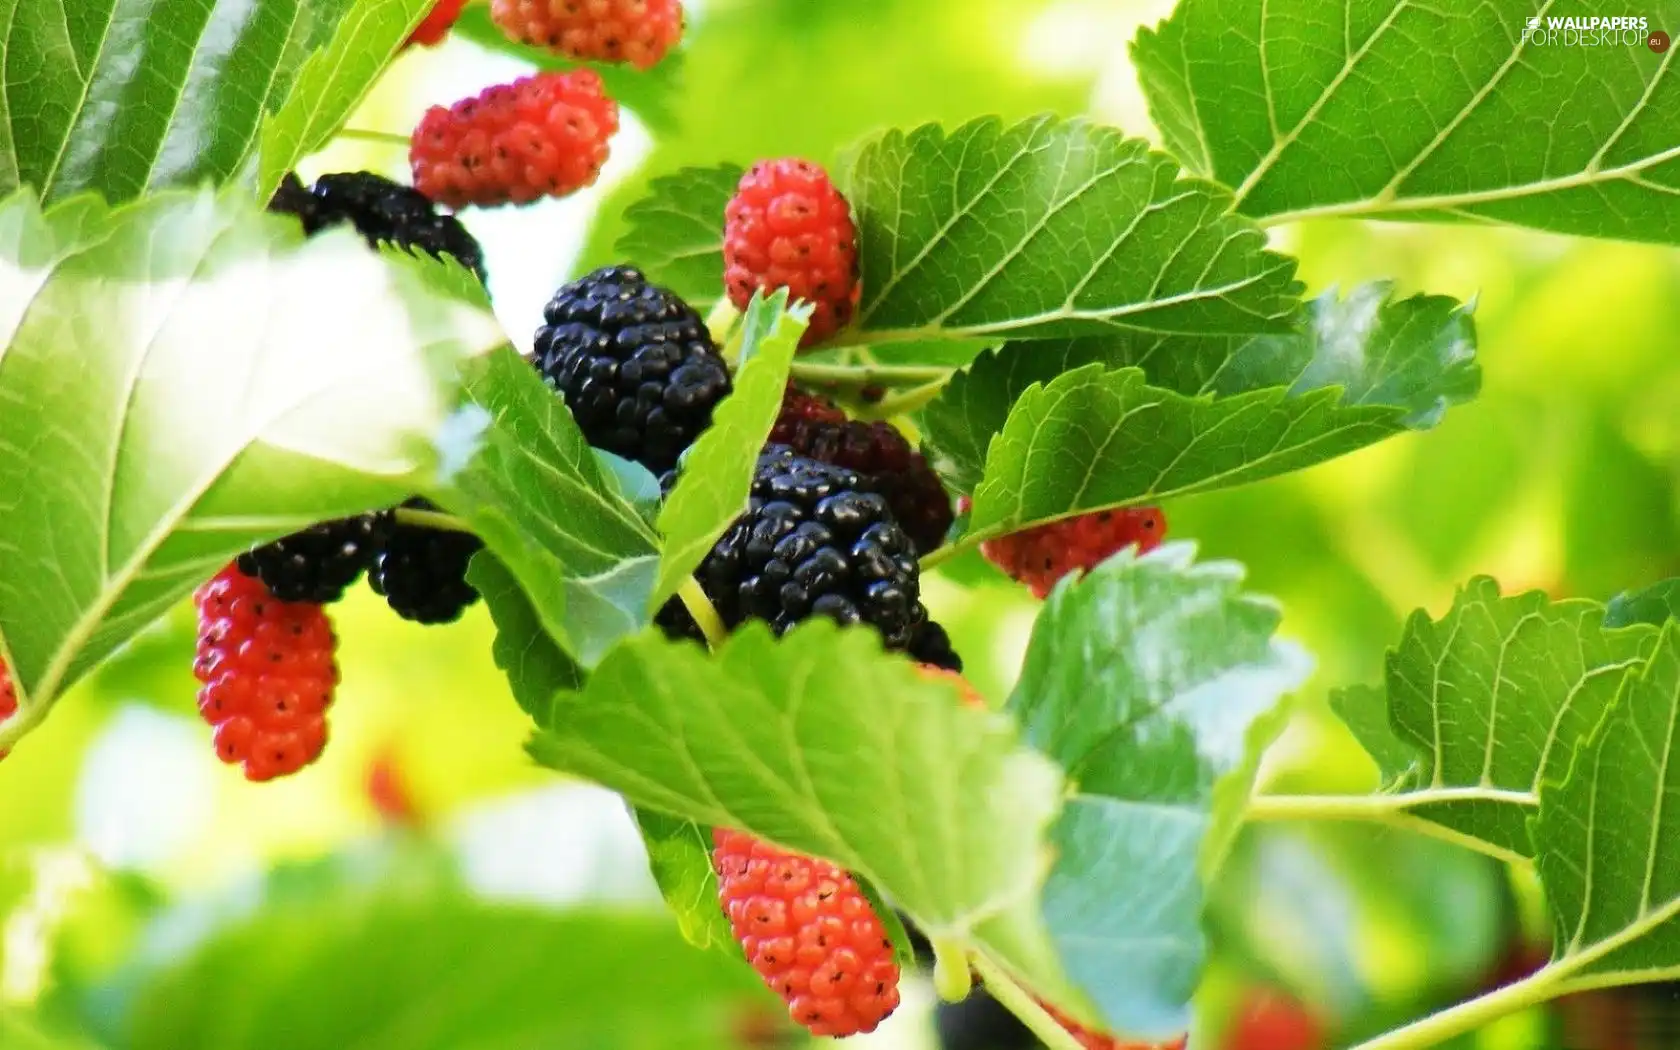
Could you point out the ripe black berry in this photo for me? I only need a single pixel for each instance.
(317, 564)
(422, 572)
(931, 645)
(381, 211)
(814, 426)
(811, 543)
(634, 364)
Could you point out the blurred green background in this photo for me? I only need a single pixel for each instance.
(425, 885)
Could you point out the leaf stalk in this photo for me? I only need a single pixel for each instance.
(1469, 1016)
(705, 614)
(430, 519)
(1018, 1001)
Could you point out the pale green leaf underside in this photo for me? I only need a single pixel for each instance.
(1421, 111)
(519, 470)
(1417, 354)
(716, 473)
(126, 96)
(1609, 841)
(1144, 679)
(1050, 228)
(1490, 701)
(822, 742)
(184, 377)
(675, 233)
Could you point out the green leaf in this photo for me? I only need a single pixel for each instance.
(334, 80)
(537, 670)
(535, 667)
(1608, 855)
(1653, 605)
(519, 470)
(445, 974)
(1485, 704)
(1145, 680)
(126, 96)
(1383, 108)
(650, 93)
(676, 231)
(182, 378)
(716, 474)
(680, 857)
(823, 743)
(1050, 228)
(1416, 354)
(1093, 439)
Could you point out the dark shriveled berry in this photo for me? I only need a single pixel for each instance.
(382, 211)
(422, 572)
(811, 543)
(633, 362)
(320, 562)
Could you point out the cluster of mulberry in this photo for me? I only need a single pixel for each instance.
(840, 509)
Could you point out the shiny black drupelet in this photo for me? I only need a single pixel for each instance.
(422, 572)
(633, 362)
(811, 543)
(320, 562)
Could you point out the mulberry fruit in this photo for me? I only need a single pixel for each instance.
(8, 697)
(811, 934)
(638, 32)
(1041, 555)
(317, 564)
(542, 135)
(811, 543)
(634, 364)
(876, 451)
(268, 671)
(422, 572)
(788, 227)
(930, 645)
(382, 211)
(437, 24)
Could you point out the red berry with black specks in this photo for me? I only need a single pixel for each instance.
(810, 933)
(8, 697)
(437, 24)
(269, 672)
(1042, 555)
(788, 227)
(637, 32)
(542, 135)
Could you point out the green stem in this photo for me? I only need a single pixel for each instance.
(431, 519)
(1020, 1002)
(705, 615)
(383, 138)
(1469, 1016)
(1393, 811)
(906, 401)
(952, 977)
(932, 559)
(868, 375)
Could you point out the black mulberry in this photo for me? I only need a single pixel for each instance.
(422, 572)
(634, 364)
(811, 543)
(318, 563)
